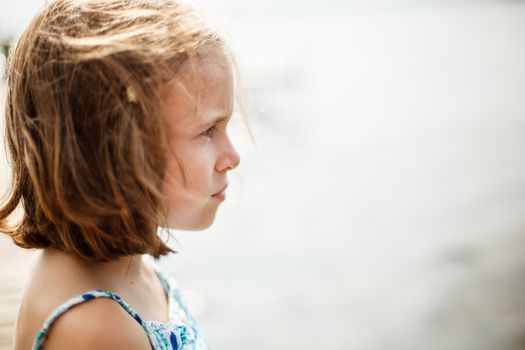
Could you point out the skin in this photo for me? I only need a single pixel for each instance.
(200, 158)
(192, 104)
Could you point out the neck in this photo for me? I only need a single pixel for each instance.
(127, 269)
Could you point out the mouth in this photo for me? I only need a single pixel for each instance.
(221, 193)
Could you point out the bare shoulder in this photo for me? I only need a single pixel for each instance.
(97, 324)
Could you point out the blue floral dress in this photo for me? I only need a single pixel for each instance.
(181, 332)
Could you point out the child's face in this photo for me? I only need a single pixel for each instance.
(201, 152)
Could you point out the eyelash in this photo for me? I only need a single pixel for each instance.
(210, 130)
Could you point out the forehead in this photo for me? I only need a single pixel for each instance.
(202, 90)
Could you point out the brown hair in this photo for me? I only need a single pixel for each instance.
(87, 146)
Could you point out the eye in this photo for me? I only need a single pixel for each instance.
(209, 132)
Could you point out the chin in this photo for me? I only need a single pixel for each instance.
(192, 226)
(197, 227)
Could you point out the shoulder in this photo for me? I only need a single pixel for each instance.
(99, 323)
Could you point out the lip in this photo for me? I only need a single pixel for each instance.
(221, 193)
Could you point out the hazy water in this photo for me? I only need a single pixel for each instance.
(383, 207)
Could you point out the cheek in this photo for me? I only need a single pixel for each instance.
(191, 171)
(174, 177)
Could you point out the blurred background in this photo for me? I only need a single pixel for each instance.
(383, 204)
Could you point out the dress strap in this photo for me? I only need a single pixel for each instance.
(76, 300)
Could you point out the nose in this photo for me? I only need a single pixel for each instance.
(229, 158)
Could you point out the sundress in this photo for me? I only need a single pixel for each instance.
(181, 332)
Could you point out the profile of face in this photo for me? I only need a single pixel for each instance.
(198, 105)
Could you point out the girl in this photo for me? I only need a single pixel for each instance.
(116, 117)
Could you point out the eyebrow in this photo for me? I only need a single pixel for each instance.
(213, 122)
